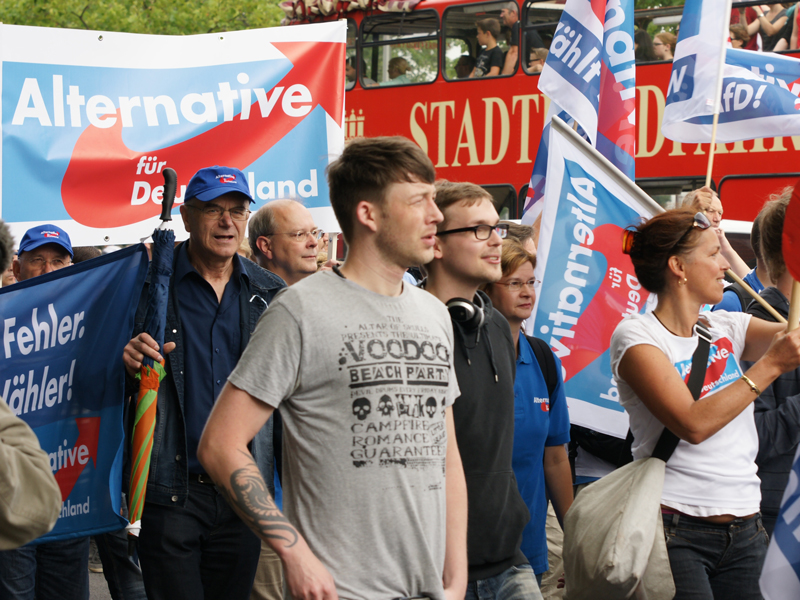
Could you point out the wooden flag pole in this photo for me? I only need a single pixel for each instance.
(776, 315)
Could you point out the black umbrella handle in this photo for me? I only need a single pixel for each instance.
(170, 185)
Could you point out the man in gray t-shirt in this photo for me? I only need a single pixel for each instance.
(361, 366)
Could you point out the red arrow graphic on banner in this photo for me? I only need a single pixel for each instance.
(597, 323)
(98, 183)
(88, 436)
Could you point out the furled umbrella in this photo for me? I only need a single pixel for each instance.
(151, 373)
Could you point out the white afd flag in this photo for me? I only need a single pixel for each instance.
(780, 578)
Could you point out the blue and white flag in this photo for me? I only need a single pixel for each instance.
(759, 89)
(588, 284)
(61, 372)
(589, 76)
(780, 577)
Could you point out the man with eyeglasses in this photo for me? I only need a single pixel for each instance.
(43, 249)
(466, 255)
(192, 545)
(285, 240)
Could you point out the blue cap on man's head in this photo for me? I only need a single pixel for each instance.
(45, 234)
(213, 182)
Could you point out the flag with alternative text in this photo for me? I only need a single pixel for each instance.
(91, 119)
(588, 284)
(61, 372)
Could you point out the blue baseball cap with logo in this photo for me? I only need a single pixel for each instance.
(45, 234)
(213, 182)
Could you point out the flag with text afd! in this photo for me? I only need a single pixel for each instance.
(780, 577)
(590, 76)
(759, 89)
(61, 372)
(90, 121)
(588, 284)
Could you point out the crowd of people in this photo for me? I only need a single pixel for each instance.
(347, 430)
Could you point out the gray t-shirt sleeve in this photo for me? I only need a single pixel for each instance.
(268, 369)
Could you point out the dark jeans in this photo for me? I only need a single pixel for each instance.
(516, 583)
(716, 561)
(50, 571)
(122, 573)
(201, 551)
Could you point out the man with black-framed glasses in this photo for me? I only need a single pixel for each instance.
(192, 544)
(466, 255)
(285, 240)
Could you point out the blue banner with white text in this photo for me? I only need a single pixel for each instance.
(61, 372)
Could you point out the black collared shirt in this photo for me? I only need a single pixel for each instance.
(211, 340)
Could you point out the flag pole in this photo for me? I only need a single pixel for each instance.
(718, 93)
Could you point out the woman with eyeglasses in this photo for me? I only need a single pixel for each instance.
(664, 45)
(541, 420)
(711, 497)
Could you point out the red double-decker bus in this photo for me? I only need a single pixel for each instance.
(406, 76)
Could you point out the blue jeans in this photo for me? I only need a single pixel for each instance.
(200, 551)
(516, 583)
(122, 572)
(49, 571)
(716, 561)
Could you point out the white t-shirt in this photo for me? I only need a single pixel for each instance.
(717, 476)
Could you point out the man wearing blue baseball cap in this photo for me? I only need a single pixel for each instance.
(192, 544)
(43, 249)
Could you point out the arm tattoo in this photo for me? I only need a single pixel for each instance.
(249, 496)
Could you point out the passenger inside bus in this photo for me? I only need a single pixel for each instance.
(537, 59)
(464, 66)
(510, 16)
(490, 60)
(398, 66)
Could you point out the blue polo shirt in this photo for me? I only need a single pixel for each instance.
(212, 340)
(539, 421)
(730, 301)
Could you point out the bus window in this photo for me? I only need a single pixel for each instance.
(504, 198)
(350, 65)
(464, 45)
(400, 49)
(540, 21)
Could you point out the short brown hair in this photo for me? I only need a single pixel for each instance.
(519, 232)
(262, 223)
(449, 193)
(490, 26)
(367, 167)
(667, 38)
(770, 226)
(739, 32)
(671, 233)
(512, 258)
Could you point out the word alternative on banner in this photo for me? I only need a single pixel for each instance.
(61, 372)
(90, 122)
(588, 284)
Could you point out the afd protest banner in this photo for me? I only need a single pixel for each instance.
(61, 372)
(759, 89)
(590, 75)
(588, 284)
(780, 577)
(91, 119)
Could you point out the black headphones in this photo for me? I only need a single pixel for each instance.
(470, 315)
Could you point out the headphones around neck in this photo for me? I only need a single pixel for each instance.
(470, 315)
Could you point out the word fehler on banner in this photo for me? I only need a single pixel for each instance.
(91, 119)
(61, 372)
(588, 284)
